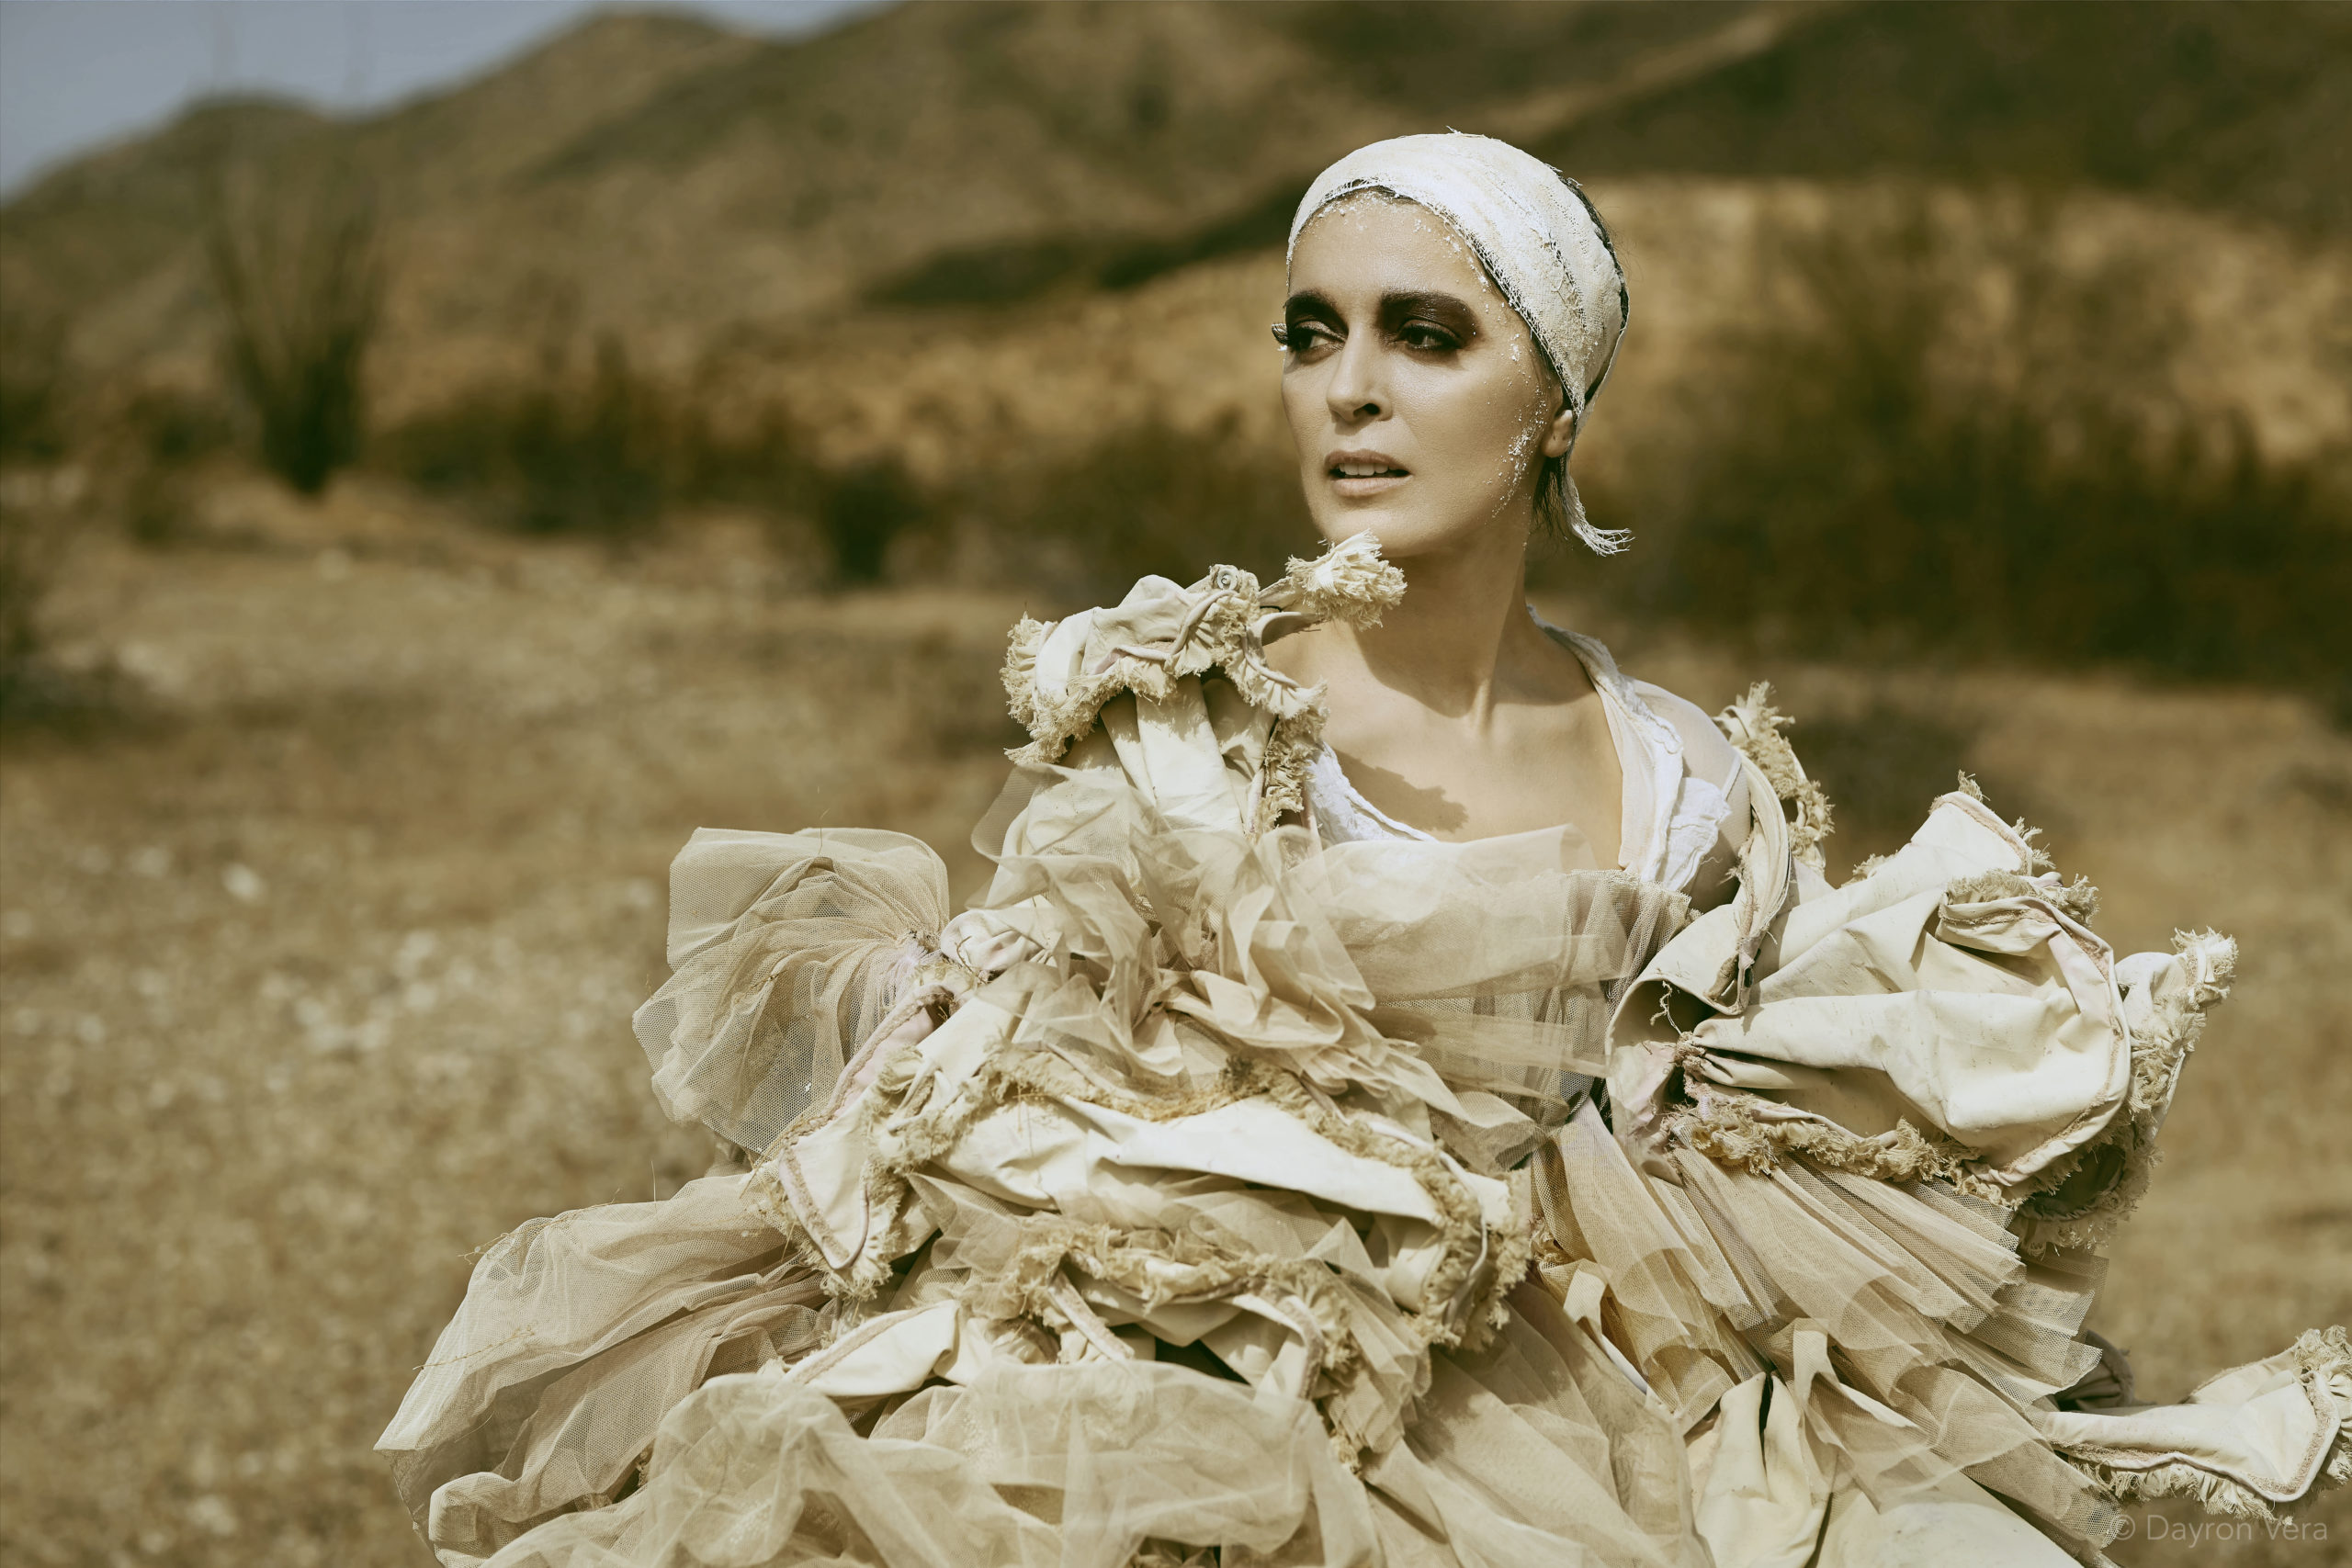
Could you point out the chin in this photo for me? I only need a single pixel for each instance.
(1404, 532)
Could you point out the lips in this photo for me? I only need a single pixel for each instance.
(1361, 474)
(1363, 464)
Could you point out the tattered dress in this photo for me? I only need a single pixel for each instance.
(1247, 1177)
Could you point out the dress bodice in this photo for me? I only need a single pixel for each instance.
(1682, 779)
(1502, 957)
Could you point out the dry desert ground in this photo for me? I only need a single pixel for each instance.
(320, 955)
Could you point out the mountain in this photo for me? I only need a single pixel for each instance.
(682, 185)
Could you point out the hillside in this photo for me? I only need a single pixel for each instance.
(653, 174)
(2245, 108)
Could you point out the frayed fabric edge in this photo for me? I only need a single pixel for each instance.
(1753, 725)
(2211, 961)
(1348, 583)
(2324, 1356)
(1727, 1132)
(1466, 1289)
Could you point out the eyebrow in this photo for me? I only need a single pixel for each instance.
(1396, 306)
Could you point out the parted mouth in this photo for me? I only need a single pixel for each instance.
(1363, 465)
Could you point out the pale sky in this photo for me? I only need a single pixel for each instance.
(77, 73)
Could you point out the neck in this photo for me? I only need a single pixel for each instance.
(1461, 638)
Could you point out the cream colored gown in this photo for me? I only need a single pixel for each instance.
(1247, 1178)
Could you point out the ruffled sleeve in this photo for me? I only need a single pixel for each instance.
(1232, 737)
(1950, 1014)
(786, 950)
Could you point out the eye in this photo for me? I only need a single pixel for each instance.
(1304, 336)
(1427, 337)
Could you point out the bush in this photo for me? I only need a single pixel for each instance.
(41, 512)
(27, 557)
(604, 455)
(297, 270)
(862, 510)
(34, 499)
(1151, 499)
(594, 463)
(1877, 485)
(163, 434)
(566, 453)
(764, 465)
(32, 383)
(606, 452)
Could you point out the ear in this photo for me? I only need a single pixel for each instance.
(1560, 436)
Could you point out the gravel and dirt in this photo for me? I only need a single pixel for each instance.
(321, 938)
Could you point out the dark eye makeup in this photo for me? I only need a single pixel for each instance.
(1305, 318)
(1428, 322)
(1424, 323)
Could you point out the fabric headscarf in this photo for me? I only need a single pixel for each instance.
(1539, 240)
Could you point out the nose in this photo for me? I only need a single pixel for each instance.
(1355, 392)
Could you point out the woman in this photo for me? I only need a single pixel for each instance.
(1408, 1096)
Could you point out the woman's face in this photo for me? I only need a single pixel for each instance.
(1418, 401)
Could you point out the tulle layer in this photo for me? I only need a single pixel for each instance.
(783, 964)
(1533, 1450)
(1208, 1189)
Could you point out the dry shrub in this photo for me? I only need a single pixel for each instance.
(1889, 478)
(565, 452)
(29, 548)
(763, 464)
(32, 528)
(593, 462)
(588, 444)
(607, 452)
(297, 268)
(32, 385)
(157, 446)
(41, 512)
(1150, 499)
(175, 428)
(862, 510)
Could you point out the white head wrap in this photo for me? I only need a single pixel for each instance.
(1532, 228)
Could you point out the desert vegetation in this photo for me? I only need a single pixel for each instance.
(1892, 464)
(296, 267)
(1932, 440)
(566, 450)
(40, 497)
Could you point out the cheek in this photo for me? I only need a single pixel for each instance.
(1296, 396)
(1302, 408)
(1493, 425)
